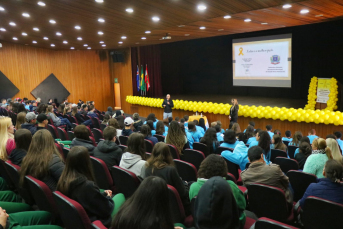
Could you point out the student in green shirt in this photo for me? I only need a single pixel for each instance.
(215, 165)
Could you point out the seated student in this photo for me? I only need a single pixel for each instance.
(75, 113)
(305, 139)
(42, 161)
(136, 213)
(316, 161)
(116, 114)
(230, 140)
(27, 105)
(114, 123)
(152, 117)
(336, 153)
(30, 123)
(145, 130)
(121, 120)
(78, 183)
(242, 137)
(202, 124)
(84, 109)
(215, 206)
(338, 135)
(278, 132)
(220, 135)
(296, 139)
(193, 131)
(328, 188)
(34, 106)
(137, 122)
(57, 120)
(252, 124)
(239, 155)
(305, 151)
(250, 134)
(220, 124)
(166, 124)
(188, 135)
(81, 134)
(170, 119)
(236, 128)
(151, 125)
(212, 166)
(263, 141)
(277, 143)
(106, 119)
(288, 137)
(109, 111)
(67, 111)
(50, 102)
(107, 150)
(177, 119)
(198, 128)
(160, 130)
(7, 143)
(210, 139)
(312, 135)
(182, 121)
(22, 139)
(213, 124)
(134, 157)
(42, 120)
(259, 172)
(127, 131)
(186, 118)
(176, 137)
(91, 112)
(42, 108)
(161, 164)
(332, 136)
(21, 117)
(269, 129)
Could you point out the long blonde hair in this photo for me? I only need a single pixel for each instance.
(21, 118)
(5, 123)
(336, 153)
(323, 146)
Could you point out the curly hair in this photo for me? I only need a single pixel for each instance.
(175, 136)
(213, 165)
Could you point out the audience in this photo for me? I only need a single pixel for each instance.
(220, 135)
(78, 183)
(263, 141)
(42, 161)
(312, 135)
(81, 134)
(176, 137)
(336, 153)
(278, 132)
(30, 124)
(305, 151)
(250, 134)
(239, 155)
(177, 119)
(127, 131)
(58, 121)
(151, 117)
(145, 130)
(165, 123)
(151, 125)
(107, 150)
(316, 161)
(193, 131)
(220, 124)
(42, 120)
(186, 118)
(277, 143)
(23, 138)
(7, 143)
(236, 128)
(288, 137)
(199, 129)
(84, 109)
(229, 139)
(202, 124)
(330, 186)
(305, 139)
(269, 129)
(137, 122)
(91, 113)
(332, 136)
(160, 130)
(252, 124)
(134, 157)
(76, 114)
(107, 117)
(190, 139)
(338, 135)
(114, 123)
(210, 140)
(21, 119)
(296, 139)
(109, 111)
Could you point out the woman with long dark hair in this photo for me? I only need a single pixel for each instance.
(296, 139)
(264, 143)
(152, 117)
(160, 129)
(305, 151)
(145, 130)
(176, 137)
(202, 124)
(234, 111)
(250, 134)
(210, 140)
(151, 125)
(277, 143)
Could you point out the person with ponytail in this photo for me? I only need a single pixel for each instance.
(316, 161)
(329, 187)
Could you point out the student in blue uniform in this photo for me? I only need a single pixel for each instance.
(230, 140)
(153, 118)
(250, 134)
(252, 124)
(193, 131)
(312, 135)
(269, 130)
(338, 135)
(199, 128)
(288, 137)
(219, 133)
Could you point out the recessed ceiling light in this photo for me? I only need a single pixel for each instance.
(2, 8)
(100, 1)
(52, 21)
(247, 20)
(147, 32)
(12, 23)
(77, 27)
(202, 7)
(155, 18)
(26, 15)
(41, 3)
(89, 48)
(101, 42)
(187, 35)
(123, 37)
(120, 42)
(287, 6)
(45, 38)
(85, 45)
(72, 48)
(129, 10)
(65, 42)
(59, 34)
(79, 38)
(3, 29)
(220, 29)
(304, 11)
(35, 29)
(24, 34)
(52, 45)
(101, 20)
(103, 45)
(264, 23)
(227, 16)
(202, 27)
(14, 38)
(143, 38)
(100, 33)
(34, 42)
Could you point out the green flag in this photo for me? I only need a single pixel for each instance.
(142, 80)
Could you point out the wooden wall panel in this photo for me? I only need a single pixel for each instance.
(322, 129)
(81, 72)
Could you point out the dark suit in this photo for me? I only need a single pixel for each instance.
(234, 113)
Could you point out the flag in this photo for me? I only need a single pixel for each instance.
(147, 81)
(138, 79)
(142, 80)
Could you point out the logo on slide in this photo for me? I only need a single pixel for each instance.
(240, 51)
(275, 59)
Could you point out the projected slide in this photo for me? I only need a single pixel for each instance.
(262, 61)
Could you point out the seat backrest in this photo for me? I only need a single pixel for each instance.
(97, 133)
(71, 135)
(174, 151)
(160, 138)
(286, 164)
(85, 117)
(6, 175)
(62, 134)
(65, 152)
(186, 170)
(322, 214)
(53, 131)
(268, 201)
(93, 141)
(60, 149)
(285, 142)
(232, 168)
(201, 147)
(291, 151)
(193, 156)
(300, 182)
(74, 120)
(231, 177)
(96, 123)
(122, 147)
(220, 149)
(123, 140)
(148, 145)
(266, 223)
(74, 125)
(103, 126)
(276, 153)
(125, 181)
(176, 206)
(72, 213)
(102, 174)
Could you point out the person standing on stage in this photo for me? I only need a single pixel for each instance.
(234, 111)
(168, 105)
